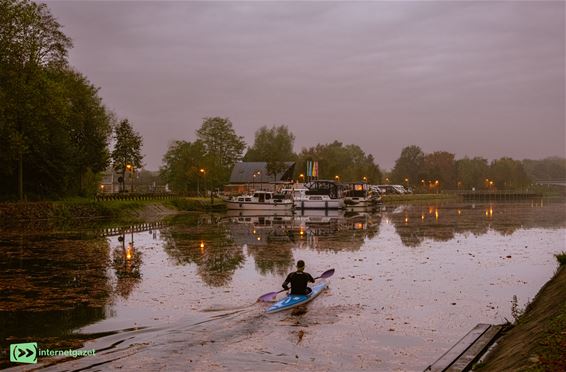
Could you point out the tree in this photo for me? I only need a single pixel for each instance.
(409, 166)
(31, 42)
(127, 149)
(274, 146)
(440, 166)
(182, 164)
(507, 173)
(349, 162)
(222, 148)
(471, 173)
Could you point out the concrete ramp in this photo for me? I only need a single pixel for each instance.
(467, 351)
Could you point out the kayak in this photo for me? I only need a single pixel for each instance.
(292, 301)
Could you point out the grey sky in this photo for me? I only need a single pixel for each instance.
(475, 78)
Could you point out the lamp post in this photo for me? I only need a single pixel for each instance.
(130, 168)
(201, 172)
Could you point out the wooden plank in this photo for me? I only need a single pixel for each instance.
(442, 363)
(470, 356)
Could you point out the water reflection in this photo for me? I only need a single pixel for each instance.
(201, 240)
(126, 261)
(441, 222)
(53, 283)
(50, 285)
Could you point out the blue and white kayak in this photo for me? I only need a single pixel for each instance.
(292, 301)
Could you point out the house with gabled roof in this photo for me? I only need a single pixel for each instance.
(249, 176)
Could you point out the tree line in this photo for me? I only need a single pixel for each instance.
(57, 137)
(55, 132)
(440, 170)
(208, 161)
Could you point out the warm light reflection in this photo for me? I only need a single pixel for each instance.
(201, 247)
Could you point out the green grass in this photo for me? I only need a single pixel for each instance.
(561, 257)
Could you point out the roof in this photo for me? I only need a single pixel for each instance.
(243, 172)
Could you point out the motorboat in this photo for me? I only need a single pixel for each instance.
(259, 200)
(361, 196)
(317, 195)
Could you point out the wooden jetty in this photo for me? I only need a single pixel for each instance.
(499, 195)
(468, 350)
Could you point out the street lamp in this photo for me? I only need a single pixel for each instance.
(337, 178)
(201, 172)
(130, 169)
(365, 178)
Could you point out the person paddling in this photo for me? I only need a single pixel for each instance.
(299, 280)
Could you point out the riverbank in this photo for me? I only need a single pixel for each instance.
(82, 209)
(537, 342)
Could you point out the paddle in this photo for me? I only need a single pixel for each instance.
(271, 295)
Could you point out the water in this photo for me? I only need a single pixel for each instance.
(410, 281)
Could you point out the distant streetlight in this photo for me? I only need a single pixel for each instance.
(387, 180)
(201, 172)
(365, 179)
(302, 177)
(130, 169)
(337, 178)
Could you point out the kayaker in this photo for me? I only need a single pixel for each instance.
(299, 280)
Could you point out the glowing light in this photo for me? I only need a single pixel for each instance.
(422, 216)
(436, 214)
(358, 226)
(406, 219)
(459, 212)
(201, 247)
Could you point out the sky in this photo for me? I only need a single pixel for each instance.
(475, 78)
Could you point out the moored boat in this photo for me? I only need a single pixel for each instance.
(318, 194)
(259, 200)
(361, 196)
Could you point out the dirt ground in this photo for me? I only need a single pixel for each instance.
(538, 341)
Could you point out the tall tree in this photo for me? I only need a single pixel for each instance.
(507, 173)
(440, 166)
(274, 146)
(31, 41)
(182, 164)
(127, 149)
(223, 148)
(472, 173)
(409, 166)
(349, 163)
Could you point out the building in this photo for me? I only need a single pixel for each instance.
(249, 176)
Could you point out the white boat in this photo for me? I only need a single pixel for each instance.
(317, 195)
(360, 196)
(260, 200)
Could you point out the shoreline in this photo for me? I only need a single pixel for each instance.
(537, 340)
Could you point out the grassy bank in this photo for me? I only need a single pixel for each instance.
(77, 209)
(537, 342)
(419, 197)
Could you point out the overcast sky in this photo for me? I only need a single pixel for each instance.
(481, 78)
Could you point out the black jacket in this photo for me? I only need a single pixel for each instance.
(299, 281)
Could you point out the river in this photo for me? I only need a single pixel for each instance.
(410, 281)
